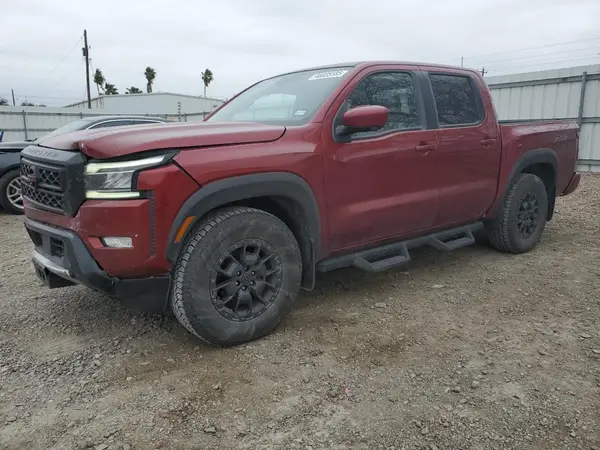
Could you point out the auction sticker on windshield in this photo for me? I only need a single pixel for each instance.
(330, 74)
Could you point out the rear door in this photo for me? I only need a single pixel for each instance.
(379, 184)
(467, 158)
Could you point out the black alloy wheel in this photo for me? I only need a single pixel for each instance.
(528, 215)
(246, 280)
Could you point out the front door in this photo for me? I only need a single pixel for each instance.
(380, 184)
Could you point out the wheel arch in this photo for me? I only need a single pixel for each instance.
(5, 170)
(285, 195)
(542, 162)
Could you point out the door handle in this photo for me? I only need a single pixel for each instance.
(489, 141)
(425, 148)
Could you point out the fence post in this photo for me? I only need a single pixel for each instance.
(582, 98)
(25, 124)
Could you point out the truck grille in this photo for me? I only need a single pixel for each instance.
(43, 184)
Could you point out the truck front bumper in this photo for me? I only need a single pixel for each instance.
(61, 259)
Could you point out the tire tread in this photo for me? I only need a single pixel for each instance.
(194, 238)
(498, 229)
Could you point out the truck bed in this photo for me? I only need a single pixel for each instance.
(562, 136)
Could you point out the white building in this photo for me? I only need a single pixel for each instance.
(165, 103)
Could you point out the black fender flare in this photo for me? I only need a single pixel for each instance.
(530, 158)
(536, 156)
(245, 187)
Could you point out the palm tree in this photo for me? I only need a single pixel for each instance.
(3, 102)
(207, 78)
(99, 80)
(150, 75)
(110, 89)
(133, 90)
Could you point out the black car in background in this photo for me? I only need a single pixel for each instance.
(10, 182)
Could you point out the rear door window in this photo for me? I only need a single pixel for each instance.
(455, 99)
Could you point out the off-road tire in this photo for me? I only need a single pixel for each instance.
(503, 231)
(202, 253)
(4, 201)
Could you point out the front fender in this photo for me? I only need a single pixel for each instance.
(271, 184)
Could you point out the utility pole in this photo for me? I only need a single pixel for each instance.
(462, 60)
(86, 55)
(13, 94)
(483, 71)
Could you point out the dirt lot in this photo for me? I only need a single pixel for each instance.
(471, 350)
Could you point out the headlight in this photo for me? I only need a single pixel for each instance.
(116, 180)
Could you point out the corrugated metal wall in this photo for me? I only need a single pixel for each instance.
(555, 94)
(166, 103)
(21, 123)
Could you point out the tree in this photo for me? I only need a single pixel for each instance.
(207, 78)
(150, 75)
(110, 89)
(27, 104)
(3, 102)
(99, 80)
(133, 90)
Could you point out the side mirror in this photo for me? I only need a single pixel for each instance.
(363, 118)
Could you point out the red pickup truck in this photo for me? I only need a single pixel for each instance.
(346, 165)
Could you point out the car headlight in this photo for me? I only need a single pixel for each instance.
(117, 179)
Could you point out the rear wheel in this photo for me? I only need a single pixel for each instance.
(237, 276)
(519, 226)
(10, 192)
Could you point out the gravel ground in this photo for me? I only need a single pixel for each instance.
(470, 350)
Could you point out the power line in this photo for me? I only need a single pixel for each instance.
(66, 76)
(64, 57)
(542, 63)
(534, 48)
(539, 56)
(504, 52)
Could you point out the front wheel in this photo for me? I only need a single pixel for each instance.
(237, 276)
(10, 192)
(519, 226)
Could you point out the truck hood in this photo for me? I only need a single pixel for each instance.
(121, 141)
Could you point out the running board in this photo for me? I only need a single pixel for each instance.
(388, 256)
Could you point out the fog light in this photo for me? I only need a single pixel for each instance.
(117, 242)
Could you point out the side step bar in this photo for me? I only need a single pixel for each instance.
(388, 256)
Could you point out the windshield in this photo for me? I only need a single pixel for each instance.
(68, 128)
(290, 99)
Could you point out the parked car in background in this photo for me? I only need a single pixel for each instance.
(311, 171)
(10, 183)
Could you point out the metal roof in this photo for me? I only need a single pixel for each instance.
(147, 94)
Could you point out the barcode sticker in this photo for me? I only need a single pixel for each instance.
(330, 74)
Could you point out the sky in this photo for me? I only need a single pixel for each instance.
(243, 41)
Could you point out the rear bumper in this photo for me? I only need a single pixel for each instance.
(573, 184)
(61, 259)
